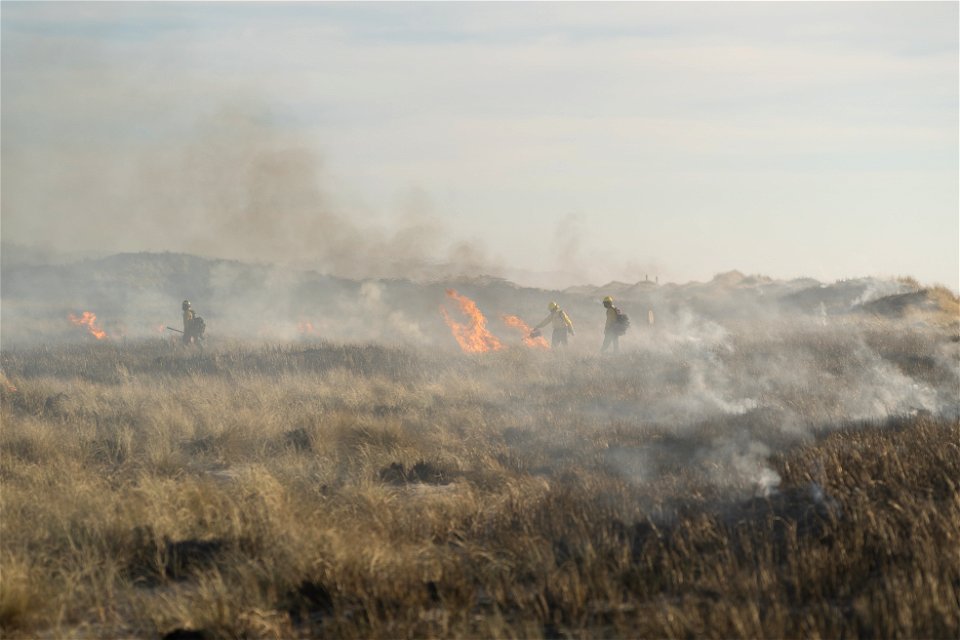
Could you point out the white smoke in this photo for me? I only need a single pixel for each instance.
(741, 465)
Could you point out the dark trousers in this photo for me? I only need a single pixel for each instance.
(559, 337)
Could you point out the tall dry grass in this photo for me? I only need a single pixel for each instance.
(361, 491)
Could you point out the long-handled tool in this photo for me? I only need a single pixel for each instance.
(172, 329)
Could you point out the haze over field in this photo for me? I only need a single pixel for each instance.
(371, 206)
(552, 144)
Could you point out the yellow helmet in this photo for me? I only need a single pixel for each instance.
(608, 299)
(553, 306)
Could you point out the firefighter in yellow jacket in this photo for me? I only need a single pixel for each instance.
(611, 330)
(562, 326)
(189, 323)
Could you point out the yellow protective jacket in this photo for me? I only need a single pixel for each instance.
(559, 318)
(611, 318)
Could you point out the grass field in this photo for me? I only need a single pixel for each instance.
(776, 481)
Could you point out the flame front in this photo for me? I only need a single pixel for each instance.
(89, 320)
(305, 327)
(473, 335)
(538, 342)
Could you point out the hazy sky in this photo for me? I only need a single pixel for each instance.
(600, 141)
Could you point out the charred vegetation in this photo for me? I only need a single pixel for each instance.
(782, 482)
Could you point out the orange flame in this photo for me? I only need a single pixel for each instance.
(538, 342)
(472, 336)
(89, 320)
(305, 327)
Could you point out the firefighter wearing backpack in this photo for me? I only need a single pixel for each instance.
(193, 325)
(562, 326)
(616, 326)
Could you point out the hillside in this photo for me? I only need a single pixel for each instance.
(133, 294)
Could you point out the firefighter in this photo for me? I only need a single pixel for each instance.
(190, 334)
(562, 326)
(611, 331)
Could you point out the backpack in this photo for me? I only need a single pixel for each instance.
(199, 326)
(623, 322)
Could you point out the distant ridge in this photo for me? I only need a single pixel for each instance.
(936, 304)
(136, 292)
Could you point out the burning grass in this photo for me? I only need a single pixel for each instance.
(527, 336)
(88, 319)
(472, 335)
(781, 484)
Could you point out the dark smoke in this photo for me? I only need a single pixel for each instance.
(246, 189)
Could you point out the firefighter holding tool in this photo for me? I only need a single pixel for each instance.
(562, 326)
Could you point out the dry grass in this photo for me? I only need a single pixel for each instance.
(361, 491)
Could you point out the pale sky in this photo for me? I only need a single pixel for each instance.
(589, 141)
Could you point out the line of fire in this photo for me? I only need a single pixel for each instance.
(470, 331)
